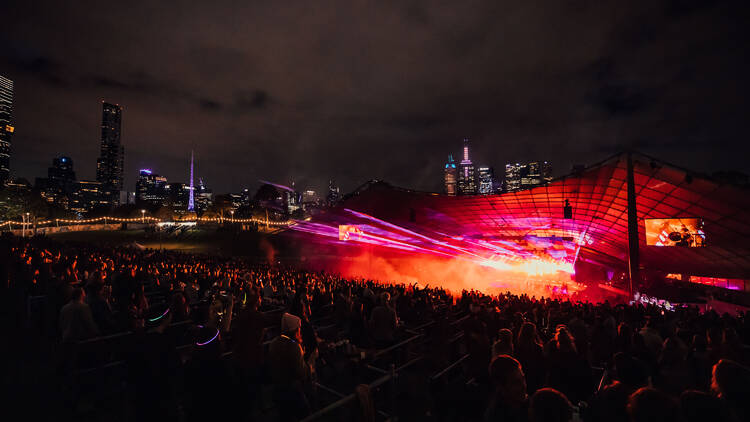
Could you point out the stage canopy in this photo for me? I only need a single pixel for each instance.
(687, 223)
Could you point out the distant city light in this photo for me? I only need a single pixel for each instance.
(177, 223)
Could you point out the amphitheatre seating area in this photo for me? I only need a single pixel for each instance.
(146, 356)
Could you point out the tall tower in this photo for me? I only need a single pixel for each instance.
(191, 200)
(109, 166)
(467, 184)
(6, 128)
(151, 188)
(333, 193)
(546, 172)
(513, 176)
(486, 176)
(61, 174)
(451, 176)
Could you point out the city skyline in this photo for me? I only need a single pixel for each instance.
(580, 81)
(480, 178)
(466, 178)
(110, 164)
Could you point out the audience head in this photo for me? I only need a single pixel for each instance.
(651, 405)
(564, 340)
(673, 352)
(290, 325)
(508, 378)
(699, 343)
(179, 307)
(731, 381)
(504, 343)
(714, 335)
(78, 295)
(97, 290)
(207, 344)
(611, 403)
(158, 316)
(730, 337)
(550, 405)
(625, 335)
(630, 371)
(527, 335)
(698, 406)
(253, 298)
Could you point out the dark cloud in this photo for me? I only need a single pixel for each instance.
(209, 105)
(360, 90)
(43, 68)
(254, 100)
(416, 122)
(619, 99)
(106, 83)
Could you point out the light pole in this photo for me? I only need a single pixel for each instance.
(143, 216)
(232, 212)
(25, 218)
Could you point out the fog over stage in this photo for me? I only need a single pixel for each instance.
(371, 248)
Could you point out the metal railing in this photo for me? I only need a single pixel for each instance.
(395, 346)
(344, 400)
(449, 367)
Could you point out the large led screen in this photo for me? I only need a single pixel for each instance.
(685, 232)
(349, 232)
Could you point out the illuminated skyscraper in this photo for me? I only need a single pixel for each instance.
(310, 197)
(467, 184)
(334, 193)
(546, 172)
(205, 196)
(486, 176)
(6, 128)
(524, 176)
(59, 184)
(513, 176)
(109, 166)
(451, 176)
(61, 176)
(178, 195)
(87, 195)
(531, 175)
(151, 189)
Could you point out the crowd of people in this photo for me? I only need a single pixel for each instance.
(252, 327)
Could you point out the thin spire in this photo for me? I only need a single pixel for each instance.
(191, 201)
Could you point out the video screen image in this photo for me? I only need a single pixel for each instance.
(349, 232)
(685, 232)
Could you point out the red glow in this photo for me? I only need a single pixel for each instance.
(453, 275)
(370, 248)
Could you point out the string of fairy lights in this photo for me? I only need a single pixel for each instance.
(149, 219)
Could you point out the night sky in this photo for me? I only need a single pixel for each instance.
(356, 90)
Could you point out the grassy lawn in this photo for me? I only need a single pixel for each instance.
(195, 240)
